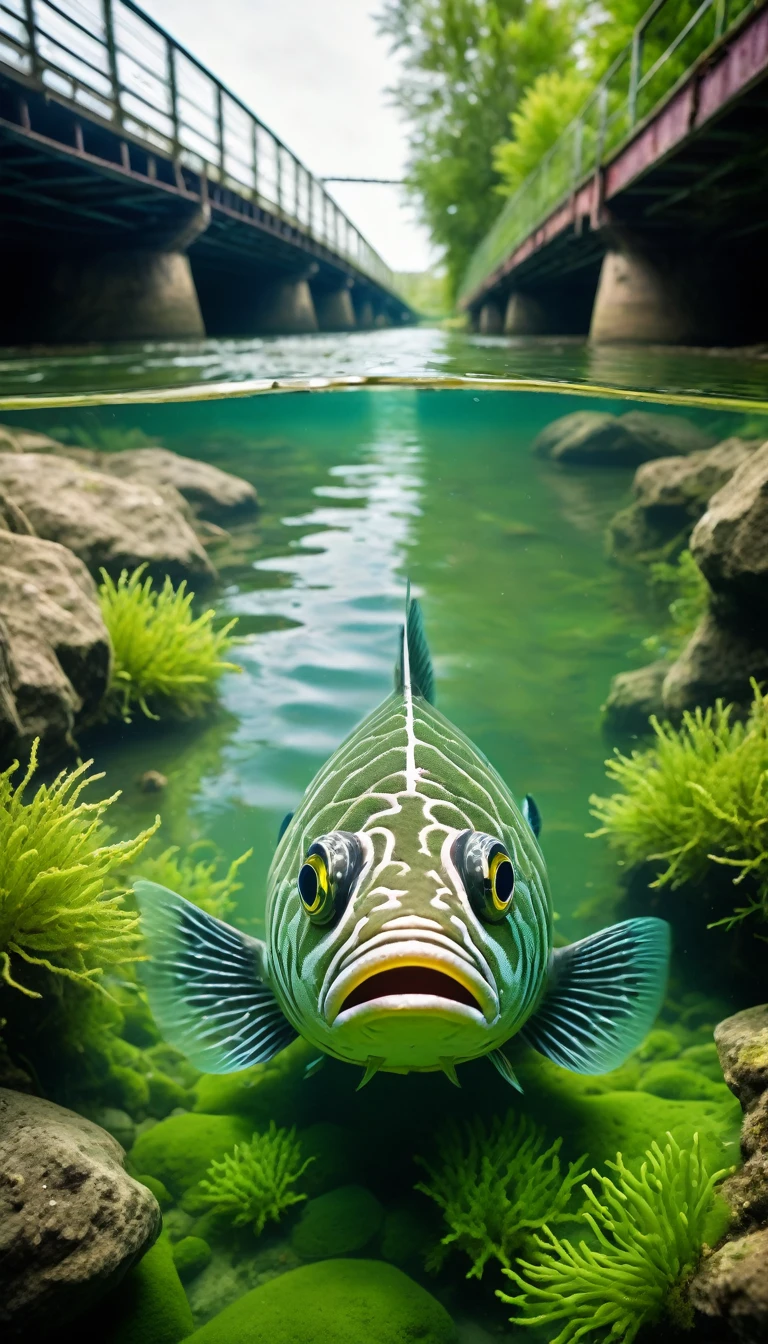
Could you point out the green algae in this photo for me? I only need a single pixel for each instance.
(149, 1307)
(178, 1151)
(190, 1256)
(340, 1222)
(254, 1184)
(336, 1301)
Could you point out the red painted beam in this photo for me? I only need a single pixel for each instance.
(717, 81)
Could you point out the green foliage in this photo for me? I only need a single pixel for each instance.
(164, 655)
(549, 105)
(90, 432)
(682, 588)
(254, 1183)
(466, 65)
(648, 1234)
(425, 291)
(195, 878)
(60, 908)
(496, 1184)
(698, 797)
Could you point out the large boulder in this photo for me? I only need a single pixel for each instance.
(671, 494)
(14, 439)
(109, 523)
(213, 494)
(730, 541)
(72, 1221)
(633, 697)
(55, 654)
(730, 1289)
(601, 439)
(716, 663)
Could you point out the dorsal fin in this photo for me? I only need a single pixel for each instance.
(419, 662)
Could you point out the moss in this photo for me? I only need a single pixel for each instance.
(678, 1082)
(190, 1256)
(337, 1223)
(127, 1088)
(195, 878)
(149, 1307)
(165, 659)
(264, 1092)
(407, 1235)
(179, 1150)
(160, 1192)
(336, 1302)
(165, 1095)
(659, 1044)
(704, 1058)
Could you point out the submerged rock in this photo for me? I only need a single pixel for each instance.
(72, 1221)
(107, 522)
(717, 661)
(730, 541)
(56, 654)
(633, 697)
(213, 494)
(338, 1223)
(336, 1302)
(599, 438)
(149, 1306)
(178, 1151)
(731, 1288)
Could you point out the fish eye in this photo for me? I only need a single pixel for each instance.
(328, 874)
(487, 872)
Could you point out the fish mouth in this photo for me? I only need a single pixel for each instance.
(412, 978)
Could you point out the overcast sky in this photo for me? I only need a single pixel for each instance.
(315, 72)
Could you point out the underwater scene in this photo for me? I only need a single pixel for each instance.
(383, 844)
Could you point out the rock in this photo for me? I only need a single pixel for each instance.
(57, 654)
(149, 1307)
(72, 1221)
(742, 1044)
(678, 1082)
(334, 1302)
(716, 662)
(179, 1150)
(214, 494)
(228, 1275)
(15, 440)
(599, 438)
(190, 1256)
(730, 541)
(730, 1290)
(117, 1123)
(633, 697)
(338, 1223)
(671, 494)
(408, 1234)
(12, 518)
(152, 781)
(106, 521)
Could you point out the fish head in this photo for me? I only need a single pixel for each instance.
(413, 932)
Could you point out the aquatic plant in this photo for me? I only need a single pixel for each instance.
(195, 878)
(682, 588)
(698, 797)
(60, 907)
(496, 1185)
(163, 655)
(254, 1183)
(649, 1230)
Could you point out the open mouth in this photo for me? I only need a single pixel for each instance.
(410, 980)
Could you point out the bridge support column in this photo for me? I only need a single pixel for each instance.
(285, 308)
(125, 296)
(364, 313)
(490, 322)
(525, 316)
(643, 297)
(334, 309)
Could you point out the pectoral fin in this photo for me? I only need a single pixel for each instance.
(206, 985)
(603, 996)
(501, 1063)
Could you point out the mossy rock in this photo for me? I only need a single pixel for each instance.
(407, 1235)
(190, 1256)
(165, 1095)
(335, 1302)
(679, 1082)
(659, 1044)
(127, 1088)
(704, 1058)
(338, 1223)
(162, 1195)
(178, 1151)
(336, 1157)
(264, 1092)
(149, 1307)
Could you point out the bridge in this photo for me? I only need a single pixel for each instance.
(140, 199)
(646, 221)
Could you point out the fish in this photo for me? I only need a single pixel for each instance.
(409, 922)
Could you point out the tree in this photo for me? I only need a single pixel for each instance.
(467, 65)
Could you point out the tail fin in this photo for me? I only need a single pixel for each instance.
(603, 997)
(206, 985)
(416, 670)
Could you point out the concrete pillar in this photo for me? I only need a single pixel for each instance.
(525, 316)
(124, 296)
(642, 298)
(383, 320)
(365, 317)
(334, 310)
(490, 322)
(284, 308)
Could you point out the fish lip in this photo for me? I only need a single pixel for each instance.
(412, 953)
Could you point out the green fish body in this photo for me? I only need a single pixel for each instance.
(409, 922)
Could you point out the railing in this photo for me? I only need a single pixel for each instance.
(665, 44)
(109, 58)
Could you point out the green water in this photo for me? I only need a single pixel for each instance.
(360, 491)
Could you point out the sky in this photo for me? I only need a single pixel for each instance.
(315, 72)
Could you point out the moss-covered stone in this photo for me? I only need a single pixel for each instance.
(165, 1095)
(336, 1157)
(407, 1235)
(128, 1088)
(149, 1307)
(190, 1256)
(178, 1151)
(704, 1058)
(264, 1092)
(162, 1195)
(336, 1302)
(673, 1080)
(659, 1044)
(337, 1223)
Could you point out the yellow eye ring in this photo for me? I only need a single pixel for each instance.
(501, 875)
(313, 884)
